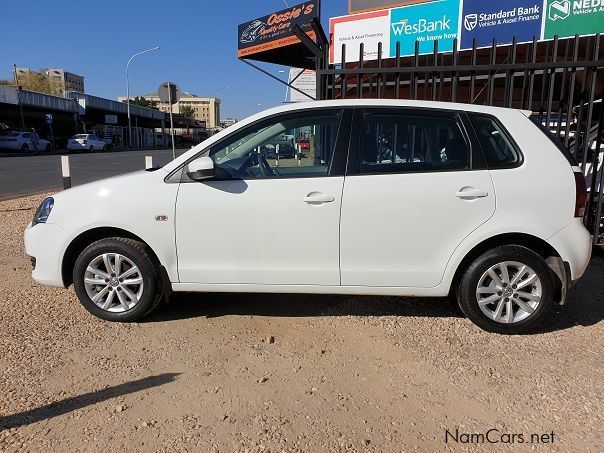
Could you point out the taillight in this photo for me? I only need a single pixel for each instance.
(581, 198)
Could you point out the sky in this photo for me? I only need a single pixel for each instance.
(197, 39)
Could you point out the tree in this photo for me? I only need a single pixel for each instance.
(34, 81)
(187, 111)
(143, 102)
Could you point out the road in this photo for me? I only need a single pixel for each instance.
(24, 175)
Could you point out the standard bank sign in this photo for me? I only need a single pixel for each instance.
(484, 20)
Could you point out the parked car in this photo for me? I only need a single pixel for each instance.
(464, 200)
(86, 142)
(23, 141)
(304, 144)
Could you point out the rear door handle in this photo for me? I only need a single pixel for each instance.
(318, 198)
(471, 193)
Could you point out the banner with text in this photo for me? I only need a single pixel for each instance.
(577, 17)
(484, 21)
(444, 20)
(425, 23)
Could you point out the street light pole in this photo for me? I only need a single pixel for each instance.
(128, 91)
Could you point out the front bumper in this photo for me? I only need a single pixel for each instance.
(76, 147)
(46, 244)
(9, 145)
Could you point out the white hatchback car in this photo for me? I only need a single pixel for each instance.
(23, 141)
(86, 142)
(394, 198)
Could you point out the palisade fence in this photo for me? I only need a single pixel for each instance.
(561, 81)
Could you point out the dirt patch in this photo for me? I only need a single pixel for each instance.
(222, 372)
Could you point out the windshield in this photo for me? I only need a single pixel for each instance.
(80, 136)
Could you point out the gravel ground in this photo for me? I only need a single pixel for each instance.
(289, 373)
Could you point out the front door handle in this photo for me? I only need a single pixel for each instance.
(318, 198)
(471, 193)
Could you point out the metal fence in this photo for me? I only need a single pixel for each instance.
(561, 81)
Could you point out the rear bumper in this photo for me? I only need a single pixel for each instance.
(45, 244)
(574, 244)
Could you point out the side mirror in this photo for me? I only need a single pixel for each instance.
(201, 168)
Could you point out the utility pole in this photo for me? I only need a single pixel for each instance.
(19, 96)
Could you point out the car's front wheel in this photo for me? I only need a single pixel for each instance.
(118, 279)
(507, 290)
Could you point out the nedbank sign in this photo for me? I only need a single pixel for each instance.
(570, 17)
(469, 21)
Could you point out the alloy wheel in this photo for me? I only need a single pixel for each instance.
(113, 282)
(509, 292)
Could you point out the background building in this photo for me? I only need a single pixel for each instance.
(228, 122)
(205, 110)
(68, 81)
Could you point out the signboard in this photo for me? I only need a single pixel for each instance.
(426, 23)
(484, 21)
(276, 30)
(168, 93)
(304, 80)
(423, 22)
(573, 17)
(81, 106)
(368, 29)
(110, 119)
(444, 20)
(360, 6)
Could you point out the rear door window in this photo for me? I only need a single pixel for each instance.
(498, 148)
(402, 142)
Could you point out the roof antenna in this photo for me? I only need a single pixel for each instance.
(490, 79)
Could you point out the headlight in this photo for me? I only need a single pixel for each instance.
(43, 211)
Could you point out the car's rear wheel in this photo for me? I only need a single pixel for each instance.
(91, 149)
(118, 279)
(48, 148)
(25, 147)
(507, 290)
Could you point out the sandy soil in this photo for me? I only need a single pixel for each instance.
(289, 373)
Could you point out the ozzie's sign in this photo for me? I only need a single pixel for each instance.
(276, 30)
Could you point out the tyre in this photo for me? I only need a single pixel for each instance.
(25, 147)
(104, 148)
(118, 279)
(507, 290)
(91, 148)
(48, 148)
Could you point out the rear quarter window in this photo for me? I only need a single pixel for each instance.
(499, 149)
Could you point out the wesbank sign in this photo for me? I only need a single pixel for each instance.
(425, 23)
(467, 20)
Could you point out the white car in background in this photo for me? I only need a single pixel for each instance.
(86, 142)
(397, 198)
(22, 141)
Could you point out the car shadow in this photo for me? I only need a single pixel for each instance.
(67, 405)
(585, 304)
(213, 305)
(584, 307)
